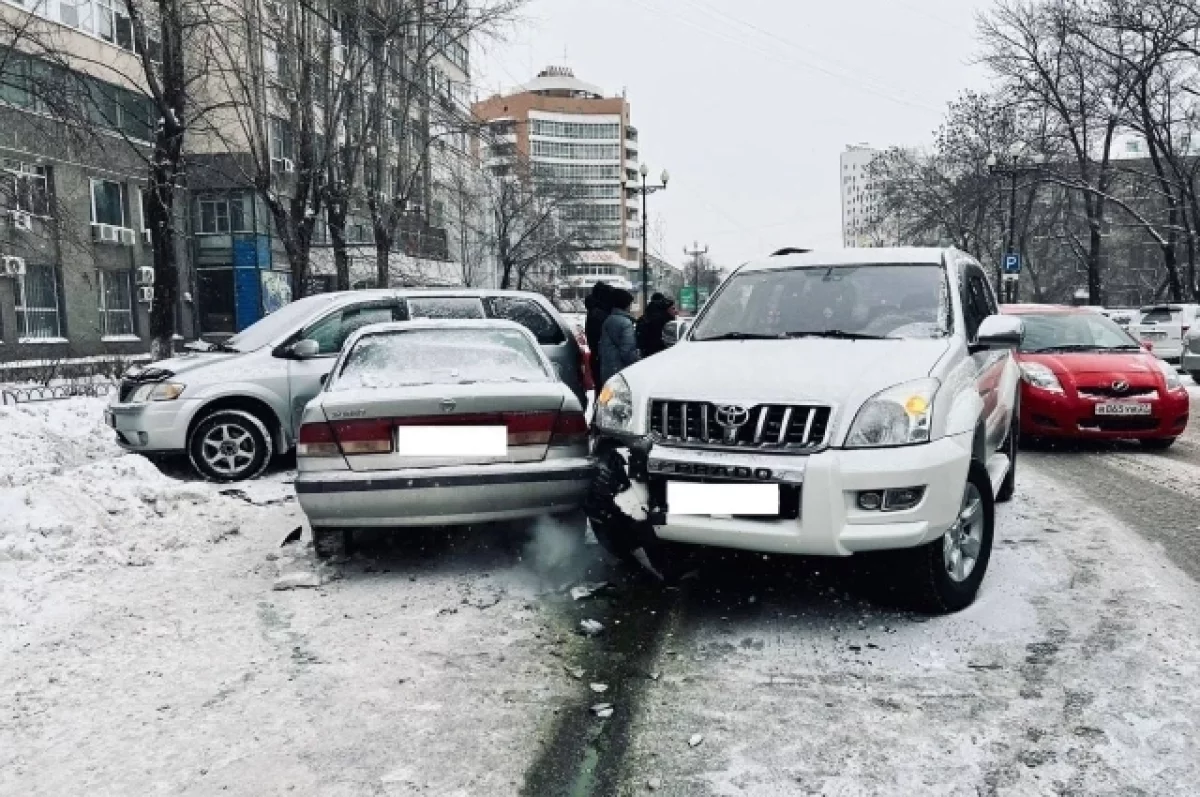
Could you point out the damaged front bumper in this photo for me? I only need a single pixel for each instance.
(819, 513)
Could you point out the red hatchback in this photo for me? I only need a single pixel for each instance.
(1084, 377)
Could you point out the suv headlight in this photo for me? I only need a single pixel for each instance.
(899, 416)
(1041, 376)
(614, 406)
(1171, 375)
(156, 391)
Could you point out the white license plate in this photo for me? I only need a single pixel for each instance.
(691, 498)
(452, 441)
(1154, 335)
(1124, 408)
(110, 419)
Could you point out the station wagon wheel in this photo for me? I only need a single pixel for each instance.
(229, 445)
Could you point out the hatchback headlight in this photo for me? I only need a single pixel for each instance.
(614, 406)
(158, 391)
(1041, 376)
(1171, 375)
(899, 416)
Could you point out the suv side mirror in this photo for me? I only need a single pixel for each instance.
(674, 331)
(305, 349)
(1000, 332)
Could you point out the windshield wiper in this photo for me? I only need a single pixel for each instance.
(739, 336)
(840, 334)
(1068, 347)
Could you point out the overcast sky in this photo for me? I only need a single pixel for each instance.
(748, 103)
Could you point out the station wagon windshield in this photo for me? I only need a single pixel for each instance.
(855, 301)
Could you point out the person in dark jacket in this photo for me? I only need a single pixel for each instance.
(598, 304)
(618, 343)
(650, 326)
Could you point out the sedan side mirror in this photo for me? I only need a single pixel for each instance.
(305, 349)
(1000, 332)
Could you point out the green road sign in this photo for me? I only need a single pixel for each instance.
(703, 296)
(687, 298)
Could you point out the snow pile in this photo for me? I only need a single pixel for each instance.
(68, 494)
(41, 439)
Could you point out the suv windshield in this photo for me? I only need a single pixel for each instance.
(270, 328)
(858, 301)
(1073, 331)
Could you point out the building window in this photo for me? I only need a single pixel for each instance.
(108, 203)
(604, 131)
(281, 139)
(24, 187)
(574, 151)
(221, 215)
(116, 304)
(37, 304)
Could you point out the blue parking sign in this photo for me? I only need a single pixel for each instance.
(1012, 264)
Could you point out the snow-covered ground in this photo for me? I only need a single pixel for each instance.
(145, 650)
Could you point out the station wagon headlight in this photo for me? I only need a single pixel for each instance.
(899, 416)
(614, 406)
(158, 391)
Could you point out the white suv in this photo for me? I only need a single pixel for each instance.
(822, 404)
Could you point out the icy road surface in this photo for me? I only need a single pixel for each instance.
(143, 649)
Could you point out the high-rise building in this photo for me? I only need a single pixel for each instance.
(860, 199)
(563, 129)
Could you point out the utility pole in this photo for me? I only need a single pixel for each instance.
(695, 253)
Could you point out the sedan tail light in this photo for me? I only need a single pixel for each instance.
(571, 428)
(585, 361)
(316, 440)
(365, 437)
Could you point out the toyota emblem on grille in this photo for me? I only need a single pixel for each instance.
(448, 405)
(1120, 386)
(731, 418)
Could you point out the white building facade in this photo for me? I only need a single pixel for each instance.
(860, 199)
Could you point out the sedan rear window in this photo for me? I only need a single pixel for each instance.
(1161, 315)
(441, 357)
(530, 315)
(454, 307)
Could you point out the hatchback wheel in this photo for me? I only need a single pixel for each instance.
(229, 446)
(944, 575)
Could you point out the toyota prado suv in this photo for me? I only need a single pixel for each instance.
(822, 404)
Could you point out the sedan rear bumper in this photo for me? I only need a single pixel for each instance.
(443, 496)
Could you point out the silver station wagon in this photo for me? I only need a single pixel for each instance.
(439, 423)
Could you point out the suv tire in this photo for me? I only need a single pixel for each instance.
(229, 446)
(926, 571)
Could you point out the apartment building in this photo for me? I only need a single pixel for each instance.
(73, 278)
(568, 131)
(74, 254)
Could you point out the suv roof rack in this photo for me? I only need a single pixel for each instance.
(790, 250)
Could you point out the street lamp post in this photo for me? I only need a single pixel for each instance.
(645, 190)
(1012, 167)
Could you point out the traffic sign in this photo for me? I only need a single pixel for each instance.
(1012, 263)
(687, 298)
(703, 292)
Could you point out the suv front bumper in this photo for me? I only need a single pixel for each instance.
(830, 523)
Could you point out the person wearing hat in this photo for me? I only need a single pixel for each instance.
(618, 342)
(659, 312)
(598, 304)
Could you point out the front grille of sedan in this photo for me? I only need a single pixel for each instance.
(800, 428)
(1107, 391)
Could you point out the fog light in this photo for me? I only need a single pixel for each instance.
(870, 501)
(902, 498)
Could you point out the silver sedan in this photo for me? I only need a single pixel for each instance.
(439, 423)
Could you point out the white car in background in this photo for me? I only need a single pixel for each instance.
(1164, 327)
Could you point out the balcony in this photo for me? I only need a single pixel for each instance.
(631, 133)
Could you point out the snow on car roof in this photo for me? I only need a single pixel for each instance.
(905, 255)
(1061, 309)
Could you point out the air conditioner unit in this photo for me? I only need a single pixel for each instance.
(11, 266)
(145, 275)
(127, 237)
(105, 233)
(289, 166)
(145, 295)
(147, 237)
(22, 220)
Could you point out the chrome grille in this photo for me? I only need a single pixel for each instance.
(782, 427)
